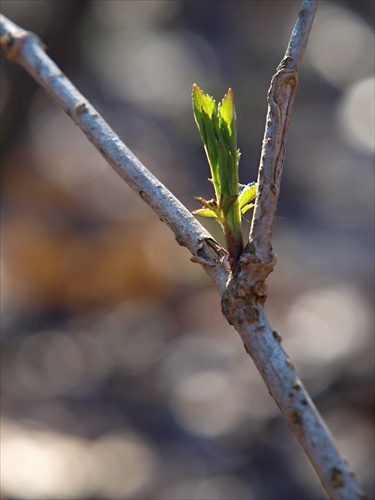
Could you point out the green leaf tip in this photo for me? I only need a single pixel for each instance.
(203, 102)
(227, 113)
(217, 127)
(205, 212)
(247, 194)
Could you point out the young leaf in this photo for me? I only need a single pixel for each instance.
(227, 119)
(228, 166)
(247, 194)
(217, 126)
(246, 208)
(205, 114)
(205, 212)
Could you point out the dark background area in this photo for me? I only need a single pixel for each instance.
(120, 377)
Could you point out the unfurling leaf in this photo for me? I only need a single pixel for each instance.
(247, 194)
(227, 117)
(217, 126)
(246, 208)
(205, 212)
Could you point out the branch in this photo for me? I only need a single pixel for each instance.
(26, 49)
(280, 101)
(244, 294)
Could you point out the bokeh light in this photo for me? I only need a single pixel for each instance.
(327, 324)
(356, 114)
(341, 47)
(43, 464)
(209, 404)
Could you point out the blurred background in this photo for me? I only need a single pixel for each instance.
(120, 377)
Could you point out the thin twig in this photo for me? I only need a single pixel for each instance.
(244, 294)
(243, 301)
(280, 101)
(26, 49)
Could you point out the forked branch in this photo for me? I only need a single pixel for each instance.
(243, 291)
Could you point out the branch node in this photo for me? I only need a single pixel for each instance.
(209, 253)
(80, 108)
(13, 44)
